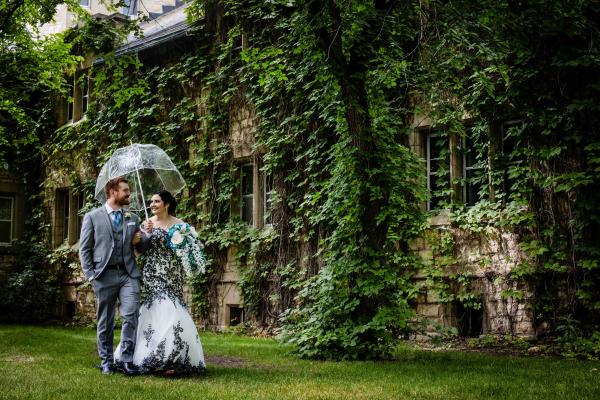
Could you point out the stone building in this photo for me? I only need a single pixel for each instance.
(484, 259)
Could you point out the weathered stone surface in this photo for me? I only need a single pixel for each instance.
(489, 257)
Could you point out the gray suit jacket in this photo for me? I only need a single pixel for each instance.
(96, 243)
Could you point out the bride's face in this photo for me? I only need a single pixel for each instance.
(158, 206)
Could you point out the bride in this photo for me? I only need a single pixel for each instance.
(167, 339)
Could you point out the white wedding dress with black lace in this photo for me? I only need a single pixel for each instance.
(167, 338)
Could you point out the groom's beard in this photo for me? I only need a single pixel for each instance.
(124, 201)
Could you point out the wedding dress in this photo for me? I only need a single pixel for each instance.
(167, 338)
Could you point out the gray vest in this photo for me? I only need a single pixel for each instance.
(117, 254)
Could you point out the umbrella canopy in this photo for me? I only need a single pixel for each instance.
(147, 168)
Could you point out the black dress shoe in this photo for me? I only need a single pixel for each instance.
(129, 368)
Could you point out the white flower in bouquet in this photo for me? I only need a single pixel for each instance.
(193, 231)
(177, 238)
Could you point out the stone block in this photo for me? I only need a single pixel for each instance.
(429, 310)
(426, 254)
(524, 328)
(432, 297)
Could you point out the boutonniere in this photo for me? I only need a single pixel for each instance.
(127, 215)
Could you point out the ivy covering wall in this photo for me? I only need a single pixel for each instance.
(335, 87)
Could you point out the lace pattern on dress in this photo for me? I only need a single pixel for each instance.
(163, 273)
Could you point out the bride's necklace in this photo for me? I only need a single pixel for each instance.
(164, 224)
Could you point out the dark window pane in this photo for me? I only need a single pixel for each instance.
(247, 209)
(474, 171)
(473, 186)
(6, 209)
(236, 315)
(247, 180)
(247, 193)
(5, 231)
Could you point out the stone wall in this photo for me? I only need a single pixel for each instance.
(487, 259)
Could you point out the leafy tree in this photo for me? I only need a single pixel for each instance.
(536, 63)
(330, 82)
(32, 71)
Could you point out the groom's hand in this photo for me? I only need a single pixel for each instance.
(136, 238)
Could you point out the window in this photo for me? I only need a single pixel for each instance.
(70, 101)
(473, 170)
(438, 169)
(62, 219)
(236, 315)
(85, 92)
(84, 3)
(247, 193)
(65, 215)
(7, 216)
(469, 320)
(68, 218)
(267, 198)
(80, 204)
(129, 7)
(512, 157)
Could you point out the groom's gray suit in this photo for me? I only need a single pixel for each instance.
(107, 259)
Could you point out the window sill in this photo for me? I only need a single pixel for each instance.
(74, 123)
(439, 217)
(9, 249)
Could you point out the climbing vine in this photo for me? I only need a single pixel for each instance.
(525, 76)
(333, 88)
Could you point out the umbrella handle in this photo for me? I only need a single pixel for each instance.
(137, 172)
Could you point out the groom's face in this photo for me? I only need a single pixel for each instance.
(121, 195)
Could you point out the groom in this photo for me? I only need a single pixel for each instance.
(107, 242)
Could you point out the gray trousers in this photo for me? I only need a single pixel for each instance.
(109, 286)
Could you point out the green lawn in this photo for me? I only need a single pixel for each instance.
(56, 363)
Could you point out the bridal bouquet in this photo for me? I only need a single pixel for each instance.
(182, 238)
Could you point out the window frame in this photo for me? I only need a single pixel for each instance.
(85, 92)
(71, 102)
(130, 7)
(66, 214)
(12, 221)
(267, 194)
(79, 206)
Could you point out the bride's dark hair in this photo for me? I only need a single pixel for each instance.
(168, 198)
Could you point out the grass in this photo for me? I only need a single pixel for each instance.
(56, 363)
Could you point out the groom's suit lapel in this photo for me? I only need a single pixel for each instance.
(108, 221)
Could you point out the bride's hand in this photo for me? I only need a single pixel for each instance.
(148, 225)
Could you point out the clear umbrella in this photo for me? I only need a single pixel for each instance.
(147, 168)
